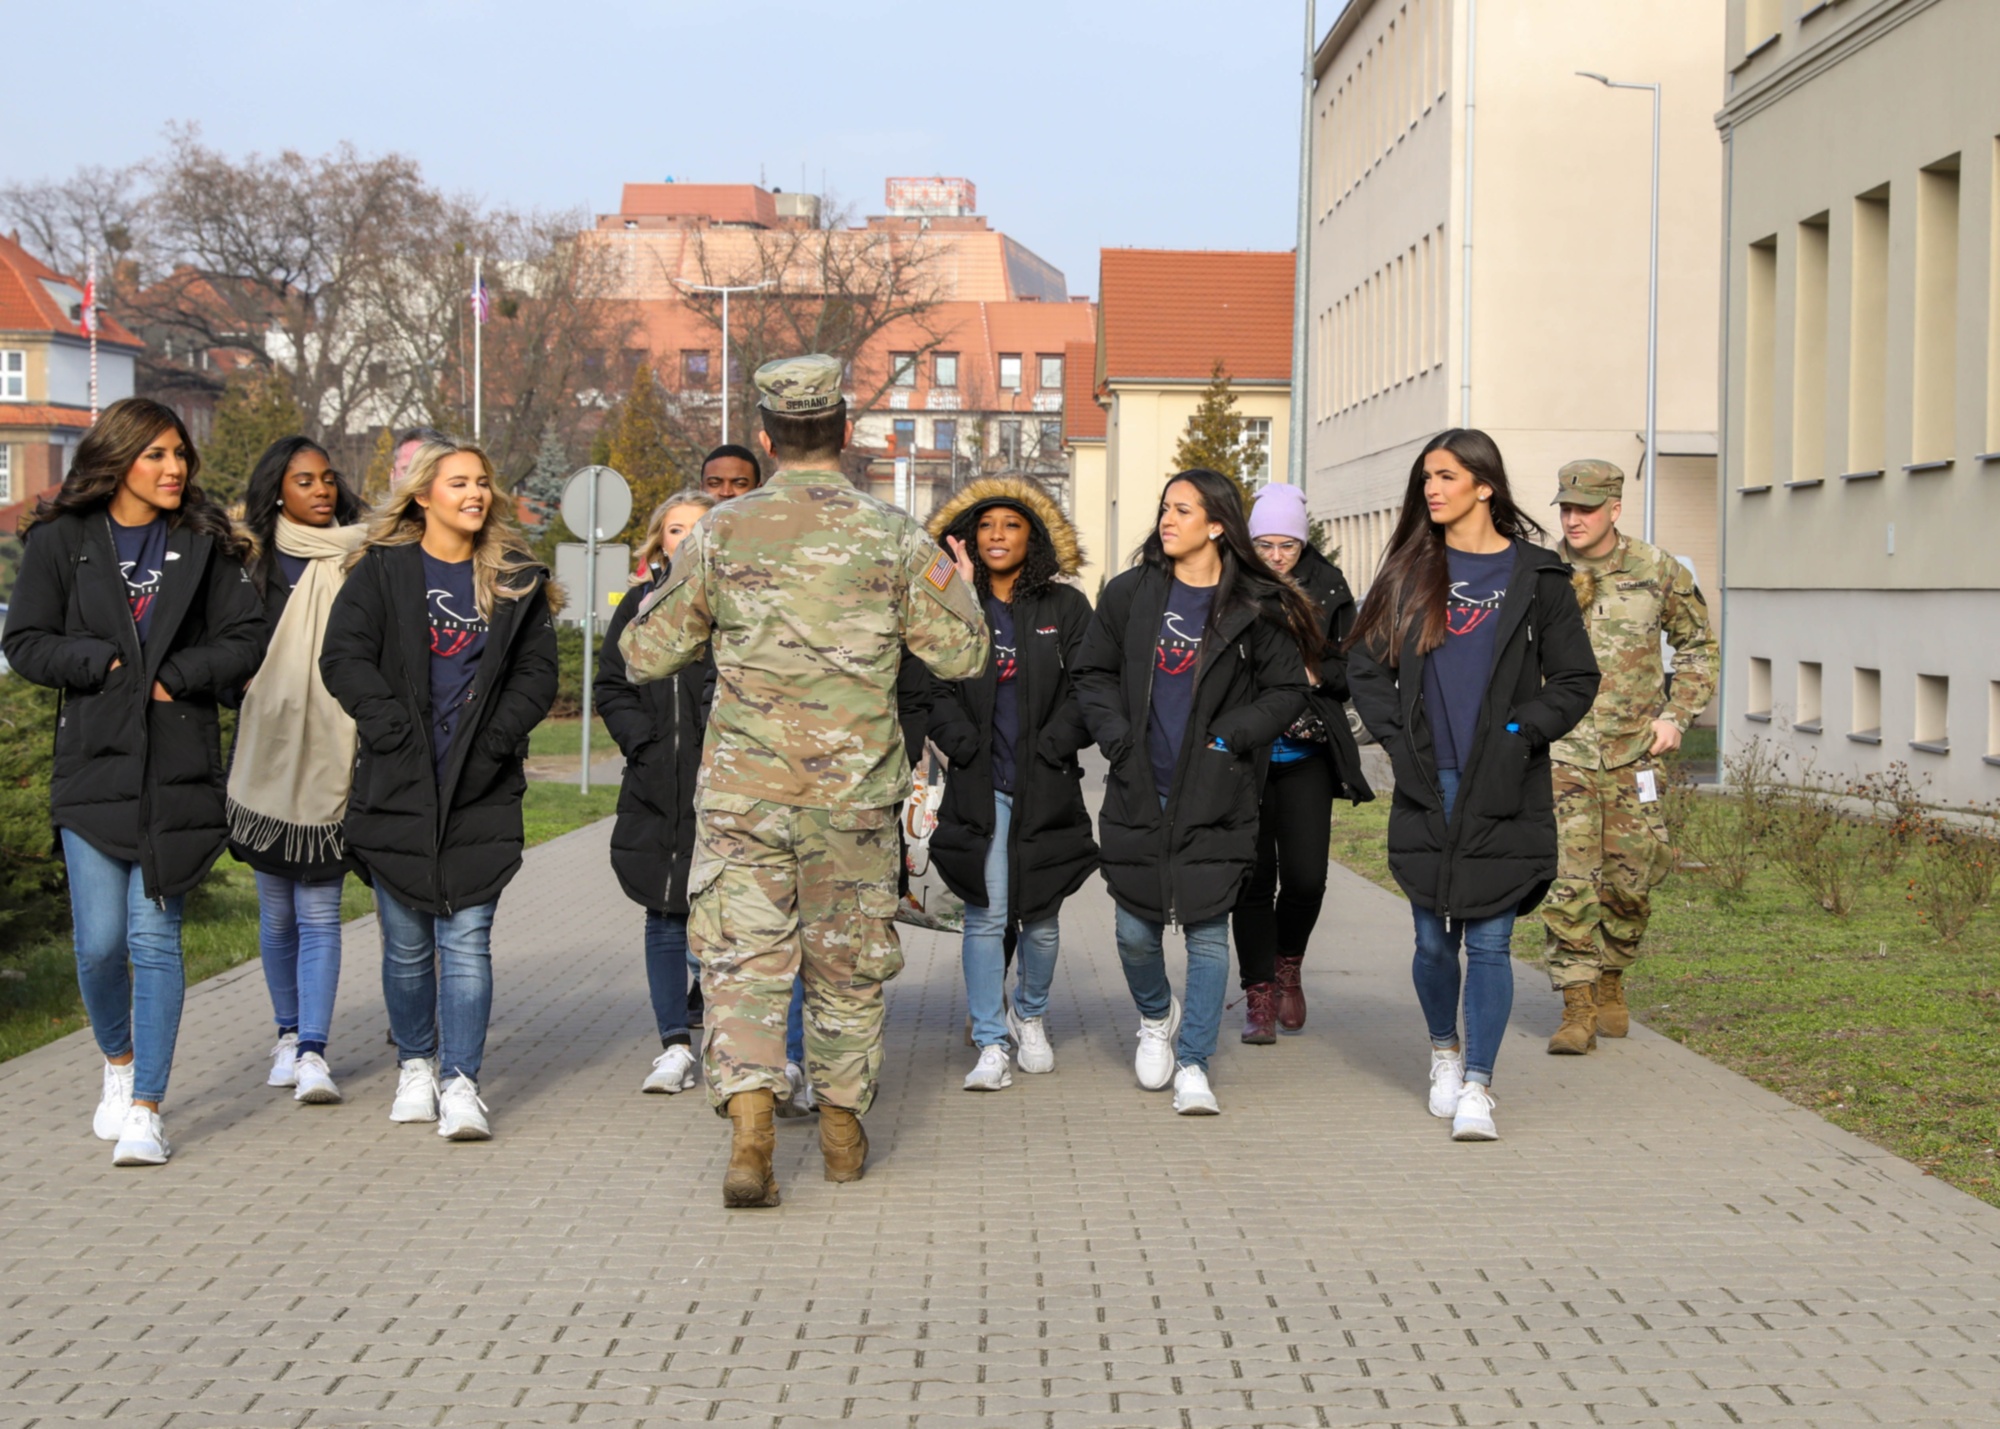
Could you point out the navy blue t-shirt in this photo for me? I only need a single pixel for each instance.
(458, 639)
(142, 556)
(1174, 662)
(293, 566)
(1006, 700)
(1455, 674)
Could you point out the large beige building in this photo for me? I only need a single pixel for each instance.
(1862, 377)
(1525, 313)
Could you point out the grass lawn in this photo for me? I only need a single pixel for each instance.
(565, 736)
(1869, 1020)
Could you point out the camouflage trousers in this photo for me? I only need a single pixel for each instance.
(779, 892)
(1611, 851)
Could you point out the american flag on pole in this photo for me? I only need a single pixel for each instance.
(482, 301)
(89, 320)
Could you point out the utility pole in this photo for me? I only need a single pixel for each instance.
(1295, 463)
(725, 291)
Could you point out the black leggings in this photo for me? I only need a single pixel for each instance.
(1294, 829)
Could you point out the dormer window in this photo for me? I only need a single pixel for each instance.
(13, 375)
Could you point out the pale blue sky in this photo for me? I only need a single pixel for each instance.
(1093, 123)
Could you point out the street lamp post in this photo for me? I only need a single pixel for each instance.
(1652, 476)
(725, 291)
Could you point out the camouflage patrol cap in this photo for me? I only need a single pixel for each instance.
(799, 386)
(1589, 483)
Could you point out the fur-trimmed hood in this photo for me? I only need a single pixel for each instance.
(963, 511)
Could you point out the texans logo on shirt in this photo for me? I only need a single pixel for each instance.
(1465, 614)
(142, 588)
(451, 632)
(1177, 648)
(1005, 660)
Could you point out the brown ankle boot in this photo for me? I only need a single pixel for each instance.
(1291, 995)
(1614, 1019)
(1578, 1033)
(749, 1181)
(842, 1143)
(1260, 1014)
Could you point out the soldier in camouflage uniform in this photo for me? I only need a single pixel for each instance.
(1612, 839)
(805, 591)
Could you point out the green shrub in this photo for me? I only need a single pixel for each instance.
(33, 888)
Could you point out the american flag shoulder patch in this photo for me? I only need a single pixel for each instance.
(941, 571)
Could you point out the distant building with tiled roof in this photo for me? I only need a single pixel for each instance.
(1083, 433)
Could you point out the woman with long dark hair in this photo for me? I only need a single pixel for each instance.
(1468, 661)
(294, 755)
(442, 647)
(132, 601)
(1195, 661)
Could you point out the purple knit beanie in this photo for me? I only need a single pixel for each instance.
(1280, 511)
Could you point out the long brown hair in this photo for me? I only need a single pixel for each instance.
(108, 451)
(1414, 584)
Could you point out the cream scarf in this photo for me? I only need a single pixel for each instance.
(294, 743)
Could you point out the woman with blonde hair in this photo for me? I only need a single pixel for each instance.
(442, 647)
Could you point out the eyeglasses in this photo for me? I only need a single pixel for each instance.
(1277, 546)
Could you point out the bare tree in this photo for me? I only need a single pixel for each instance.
(96, 210)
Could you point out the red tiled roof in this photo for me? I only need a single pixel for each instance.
(1082, 417)
(719, 203)
(26, 306)
(27, 414)
(1171, 314)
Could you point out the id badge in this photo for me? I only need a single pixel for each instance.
(1649, 786)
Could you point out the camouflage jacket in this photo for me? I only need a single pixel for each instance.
(806, 591)
(1629, 599)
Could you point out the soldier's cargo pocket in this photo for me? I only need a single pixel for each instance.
(704, 902)
(1653, 814)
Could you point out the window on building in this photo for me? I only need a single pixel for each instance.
(736, 369)
(1932, 729)
(1761, 19)
(944, 370)
(1807, 716)
(1010, 372)
(902, 369)
(13, 375)
(1760, 368)
(944, 434)
(1868, 332)
(905, 429)
(1993, 721)
(1809, 354)
(1867, 727)
(1050, 445)
(694, 368)
(1051, 374)
(1757, 701)
(1256, 451)
(1010, 440)
(7, 474)
(1934, 414)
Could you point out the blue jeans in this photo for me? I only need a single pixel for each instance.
(667, 975)
(795, 1015)
(298, 933)
(984, 952)
(1142, 953)
(128, 963)
(1488, 979)
(424, 1002)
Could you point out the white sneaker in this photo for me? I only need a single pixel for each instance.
(108, 1121)
(673, 1071)
(416, 1091)
(461, 1114)
(1447, 1080)
(993, 1072)
(284, 1061)
(1155, 1060)
(799, 1101)
(315, 1082)
(1474, 1118)
(142, 1140)
(1031, 1043)
(1192, 1096)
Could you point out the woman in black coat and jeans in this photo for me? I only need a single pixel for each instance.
(1469, 660)
(132, 601)
(442, 647)
(1013, 835)
(1194, 663)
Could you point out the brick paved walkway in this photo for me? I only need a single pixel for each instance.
(1656, 1241)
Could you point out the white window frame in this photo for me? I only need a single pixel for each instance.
(1015, 359)
(1258, 427)
(6, 474)
(13, 374)
(1043, 361)
(944, 369)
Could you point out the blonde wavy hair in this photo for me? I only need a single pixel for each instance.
(500, 553)
(656, 524)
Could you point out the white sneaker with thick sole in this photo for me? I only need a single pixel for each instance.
(1154, 1062)
(284, 1061)
(799, 1101)
(1031, 1043)
(992, 1073)
(1474, 1119)
(673, 1071)
(1192, 1096)
(315, 1082)
(107, 1123)
(461, 1114)
(1447, 1080)
(416, 1091)
(142, 1140)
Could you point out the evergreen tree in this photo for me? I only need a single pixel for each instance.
(381, 463)
(543, 486)
(637, 448)
(1214, 436)
(256, 409)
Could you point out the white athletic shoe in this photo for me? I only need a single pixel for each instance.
(673, 1071)
(1031, 1043)
(108, 1121)
(1447, 1080)
(461, 1114)
(1474, 1118)
(416, 1091)
(142, 1140)
(284, 1061)
(1192, 1096)
(992, 1073)
(315, 1082)
(799, 1101)
(1154, 1063)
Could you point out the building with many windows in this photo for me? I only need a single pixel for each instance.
(1862, 381)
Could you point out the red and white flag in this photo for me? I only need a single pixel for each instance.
(482, 302)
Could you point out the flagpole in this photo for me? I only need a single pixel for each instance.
(90, 320)
(478, 334)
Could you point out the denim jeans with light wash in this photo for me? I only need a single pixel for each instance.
(437, 978)
(128, 963)
(1488, 978)
(795, 1015)
(984, 952)
(667, 964)
(298, 934)
(1142, 953)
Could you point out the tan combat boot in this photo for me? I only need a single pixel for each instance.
(1614, 1019)
(1578, 1033)
(750, 1182)
(842, 1143)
